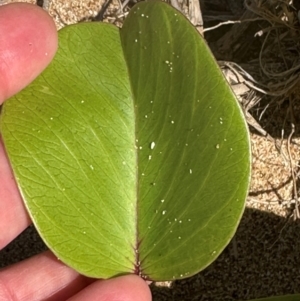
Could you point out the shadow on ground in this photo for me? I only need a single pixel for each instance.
(262, 260)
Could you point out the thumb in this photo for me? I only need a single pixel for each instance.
(123, 288)
(28, 42)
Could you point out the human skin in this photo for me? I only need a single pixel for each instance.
(28, 42)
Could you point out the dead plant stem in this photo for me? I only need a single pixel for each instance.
(291, 161)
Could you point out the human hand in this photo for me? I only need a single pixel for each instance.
(28, 42)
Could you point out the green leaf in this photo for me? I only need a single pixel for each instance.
(130, 150)
(67, 136)
(280, 298)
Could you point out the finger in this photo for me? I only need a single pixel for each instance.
(124, 288)
(41, 277)
(28, 43)
(13, 216)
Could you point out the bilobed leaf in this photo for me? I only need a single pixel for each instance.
(130, 150)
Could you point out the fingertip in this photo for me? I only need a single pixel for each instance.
(134, 288)
(27, 45)
(123, 288)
